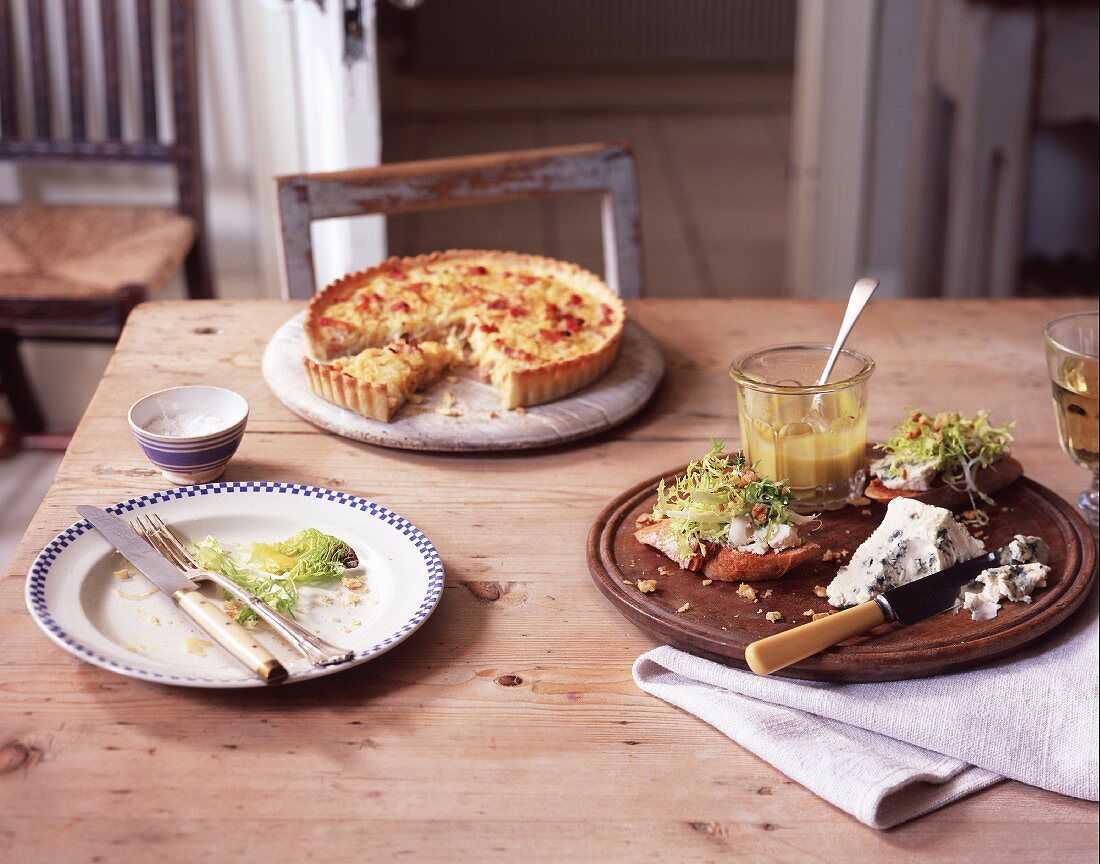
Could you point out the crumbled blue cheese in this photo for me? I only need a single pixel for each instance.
(1023, 569)
(913, 541)
(915, 477)
(1025, 550)
(1013, 582)
(760, 540)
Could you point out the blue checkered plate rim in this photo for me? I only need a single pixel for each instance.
(56, 550)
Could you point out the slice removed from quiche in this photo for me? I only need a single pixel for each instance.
(377, 381)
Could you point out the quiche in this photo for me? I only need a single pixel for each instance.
(536, 328)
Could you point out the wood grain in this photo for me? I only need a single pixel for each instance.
(509, 728)
(720, 624)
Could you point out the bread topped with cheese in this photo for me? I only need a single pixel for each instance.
(724, 519)
(536, 328)
(945, 460)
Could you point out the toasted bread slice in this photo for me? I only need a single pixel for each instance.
(728, 564)
(988, 480)
(732, 565)
(657, 535)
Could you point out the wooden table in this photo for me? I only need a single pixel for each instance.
(509, 728)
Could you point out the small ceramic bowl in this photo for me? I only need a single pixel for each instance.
(190, 433)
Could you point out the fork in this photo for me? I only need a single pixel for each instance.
(315, 649)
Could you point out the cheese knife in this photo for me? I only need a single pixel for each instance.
(233, 637)
(906, 604)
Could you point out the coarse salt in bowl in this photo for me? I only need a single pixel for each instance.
(190, 433)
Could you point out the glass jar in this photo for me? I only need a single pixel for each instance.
(814, 437)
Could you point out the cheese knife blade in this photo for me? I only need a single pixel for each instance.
(137, 551)
(930, 595)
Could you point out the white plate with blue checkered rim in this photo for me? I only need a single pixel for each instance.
(123, 626)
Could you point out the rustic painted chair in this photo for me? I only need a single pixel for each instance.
(75, 272)
(465, 181)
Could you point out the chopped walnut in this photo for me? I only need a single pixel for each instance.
(821, 591)
(647, 586)
(232, 608)
(492, 415)
(645, 519)
(866, 511)
(684, 608)
(663, 571)
(708, 581)
(747, 591)
(809, 613)
(519, 409)
(819, 615)
(352, 583)
(759, 513)
(767, 593)
(834, 554)
(774, 616)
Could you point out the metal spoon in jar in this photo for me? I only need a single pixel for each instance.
(861, 293)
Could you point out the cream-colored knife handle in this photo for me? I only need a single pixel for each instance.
(232, 636)
(775, 652)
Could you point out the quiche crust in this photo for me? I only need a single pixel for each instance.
(524, 380)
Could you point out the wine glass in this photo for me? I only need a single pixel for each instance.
(1073, 360)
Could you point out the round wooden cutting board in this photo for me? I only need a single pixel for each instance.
(475, 421)
(719, 623)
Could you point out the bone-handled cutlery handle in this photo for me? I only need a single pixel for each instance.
(776, 652)
(316, 650)
(232, 636)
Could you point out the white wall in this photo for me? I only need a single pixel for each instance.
(276, 97)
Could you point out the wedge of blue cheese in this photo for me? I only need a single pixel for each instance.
(913, 541)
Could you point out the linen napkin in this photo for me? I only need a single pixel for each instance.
(889, 752)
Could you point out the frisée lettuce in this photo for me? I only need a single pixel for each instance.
(273, 572)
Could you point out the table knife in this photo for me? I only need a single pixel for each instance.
(233, 637)
(907, 604)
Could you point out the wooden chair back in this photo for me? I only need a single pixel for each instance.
(406, 187)
(41, 142)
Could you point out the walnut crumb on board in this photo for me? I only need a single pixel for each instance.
(492, 415)
(647, 586)
(352, 583)
(809, 613)
(708, 581)
(684, 608)
(767, 593)
(747, 591)
(866, 511)
(834, 555)
(774, 616)
(819, 615)
(821, 591)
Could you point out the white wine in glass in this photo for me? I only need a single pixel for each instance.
(1073, 360)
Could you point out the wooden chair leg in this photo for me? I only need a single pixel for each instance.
(196, 270)
(13, 378)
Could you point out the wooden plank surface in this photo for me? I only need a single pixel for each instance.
(508, 728)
